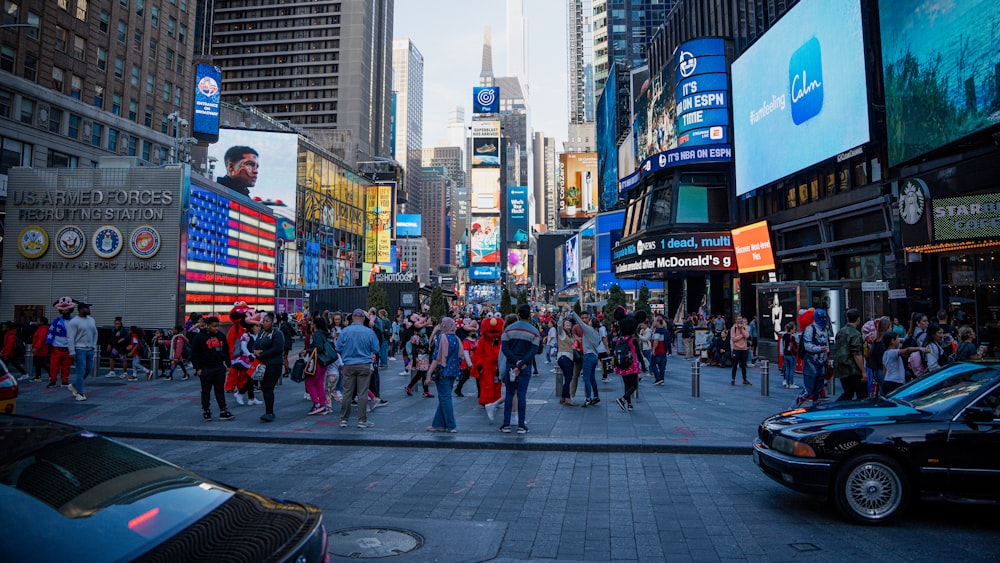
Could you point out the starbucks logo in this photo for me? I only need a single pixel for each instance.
(911, 201)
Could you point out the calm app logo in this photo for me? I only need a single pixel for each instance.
(805, 74)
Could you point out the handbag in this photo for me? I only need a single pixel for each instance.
(437, 374)
(312, 363)
(298, 371)
(257, 369)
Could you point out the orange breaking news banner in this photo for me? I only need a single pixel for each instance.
(753, 248)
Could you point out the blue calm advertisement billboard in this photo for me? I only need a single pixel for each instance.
(607, 144)
(939, 61)
(207, 93)
(486, 100)
(409, 225)
(801, 85)
(517, 214)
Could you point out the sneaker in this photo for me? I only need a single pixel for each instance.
(491, 410)
(378, 403)
(50, 385)
(522, 429)
(458, 393)
(747, 382)
(226, 415)
(326, 410)
(133, 378)
(630, 407)
(595, 401)
(240, 398)
(409, 391)
(36, 380)
(307, 396)
(110, 375)
(732, 382)
(267, 417)
(587, 402)
(81, 397)
(207, 415)
(505, 429)
(122, 375)
(343, 423)
(793, 386)
(427, 395)
(621, 403)
(605, 380)
(316, 409)
(337, 396)
(660, 382)
(169, 378)
(72, 389)
(392, 358)
(365, 424)
(185, 378)
(784, 385)
(255, 402)
(569, 403)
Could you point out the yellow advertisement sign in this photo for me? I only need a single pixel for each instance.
(378, 220)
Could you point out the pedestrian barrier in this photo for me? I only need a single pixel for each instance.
(29, 361)
(695, 378)
(154, 361)
(96, 370)
(765, 378)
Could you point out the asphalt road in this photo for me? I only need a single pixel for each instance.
(502, 505)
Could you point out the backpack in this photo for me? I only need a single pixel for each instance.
(788, 346)
(801, 344)
(943, 358)
(143, 348)
(185, 348)
(622, 354)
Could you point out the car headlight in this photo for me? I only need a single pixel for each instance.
(792, 447)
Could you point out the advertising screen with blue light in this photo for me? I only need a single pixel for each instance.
(607, 149)
(207, 94)
(517, 214)
(486, 99)
(409, 224)
(799, 93)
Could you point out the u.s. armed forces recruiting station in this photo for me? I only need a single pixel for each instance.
(86, 205)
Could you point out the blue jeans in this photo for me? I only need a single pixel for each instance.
(566, 365)
(521, 388)
(84, 367)
(648, 354)
(444, 416)
(788, 369)
(658, 366)
(383, 353)
(813, 376)
(588, 375)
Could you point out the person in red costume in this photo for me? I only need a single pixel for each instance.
(484, 362)
(236, 377)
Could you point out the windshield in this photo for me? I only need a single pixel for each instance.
(947, 388)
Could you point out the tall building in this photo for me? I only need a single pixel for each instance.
(622, 31)
(546, 186)
(86, 80)
(580, 76)
(435, 190)
(414, 252)
(457, 131)
(455, 208)
(408, 85)
(517, 41)
(513, 110)
(323, 66)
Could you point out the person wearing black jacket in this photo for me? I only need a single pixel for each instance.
(210, 357)
(269, 348)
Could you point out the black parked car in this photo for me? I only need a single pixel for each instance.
(71, 495)
(935, 438)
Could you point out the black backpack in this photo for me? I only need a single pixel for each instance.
(622, 354)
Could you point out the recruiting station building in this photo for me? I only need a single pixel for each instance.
(149, 244)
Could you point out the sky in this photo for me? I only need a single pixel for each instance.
(449, 35)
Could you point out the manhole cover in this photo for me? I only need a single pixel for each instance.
(370, 543)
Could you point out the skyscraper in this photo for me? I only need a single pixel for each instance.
(545, 188)
(435, 191)
(408, 85)
(517, 41)
(324, 66)
(513, 110)
(580, 76)
(622, 31)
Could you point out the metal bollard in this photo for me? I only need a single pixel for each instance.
(696, 379)
(97, 362)
(765, 378)
(154, 361)
(29, 361)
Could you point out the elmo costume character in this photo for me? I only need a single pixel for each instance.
(485, 358)
(467, 335)
(236, 378)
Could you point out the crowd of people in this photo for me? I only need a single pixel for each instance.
(343, 355)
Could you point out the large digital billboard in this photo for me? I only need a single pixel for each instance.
(485, 190)
(409, 225)
(378, 218)
(517, 214)
(517, 265)
(486, 99)
(207, 94)
(578, 184)
(571, 260)
(785, 118)
(939, 63)
(486, 144)
(752, 245)
(230, 254)
(607, 147)
(264, 163)
(484, 240)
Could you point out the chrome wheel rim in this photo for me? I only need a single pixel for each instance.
(873, 490)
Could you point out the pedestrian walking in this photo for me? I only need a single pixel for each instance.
(243, 359)
(81, 339)
(646, 341)
(467, 336)
(39, 349)
(848, 359)
(269, 349)
(135, 352)
(322, 345)
(565, 351)
(59, 343)
(358, 348)
(789, 356)
(661, 349)
(814, 350)
(13, 351)
(739, 341)
(177, 345)
(892, 359)
(687, 336)
(420, 354)
(210, 355)
(117, 349)
(445, 368)
(519, 345)
(591, 347)
(627, 354)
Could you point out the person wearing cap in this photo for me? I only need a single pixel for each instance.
(57, 340)
(358, 348)
(81, 339)
(519, 344)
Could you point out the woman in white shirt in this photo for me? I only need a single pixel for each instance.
(646, 340)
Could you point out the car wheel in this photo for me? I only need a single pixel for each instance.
(871, 489)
